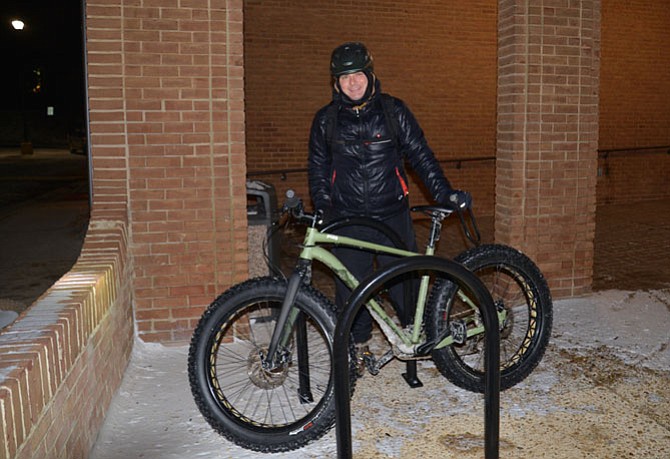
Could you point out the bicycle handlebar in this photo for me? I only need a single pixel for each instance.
(294, 206)
(439, 213)
(476, 237)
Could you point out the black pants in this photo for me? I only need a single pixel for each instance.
(361, 263)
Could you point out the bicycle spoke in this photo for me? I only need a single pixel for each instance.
(241, 379)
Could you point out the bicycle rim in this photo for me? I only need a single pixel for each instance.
(518, 300)
(257, 397)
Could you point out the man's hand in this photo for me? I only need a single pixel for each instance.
(325, 215)
(461, 200)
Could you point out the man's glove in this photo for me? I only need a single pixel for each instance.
(461, 200)
(325, 215)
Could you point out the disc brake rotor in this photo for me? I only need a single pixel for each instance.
(260, 377)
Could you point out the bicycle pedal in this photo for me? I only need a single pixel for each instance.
(458, 331)
(371, 364)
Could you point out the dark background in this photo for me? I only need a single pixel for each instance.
(43, 67)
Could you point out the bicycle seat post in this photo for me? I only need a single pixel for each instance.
(435, 229)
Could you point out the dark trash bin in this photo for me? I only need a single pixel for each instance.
(262, 216)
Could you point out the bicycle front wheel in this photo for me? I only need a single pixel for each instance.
(523, 301)
(264, 410)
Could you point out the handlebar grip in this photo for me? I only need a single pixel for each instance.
(292, 201)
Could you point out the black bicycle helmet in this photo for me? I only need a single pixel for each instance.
(350, 57)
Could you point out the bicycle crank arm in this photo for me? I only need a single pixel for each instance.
(445, 339)
(374, 365)
(457, 333)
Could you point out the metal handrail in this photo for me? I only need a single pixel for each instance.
(605, 152)
(602, 152)
(283, 172)
(459, 161)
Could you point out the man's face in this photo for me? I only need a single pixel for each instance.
(354, 85)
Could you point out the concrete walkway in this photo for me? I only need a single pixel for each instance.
(602, 391)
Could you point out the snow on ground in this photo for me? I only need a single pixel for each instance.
(604, 377)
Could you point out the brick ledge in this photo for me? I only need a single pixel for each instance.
(63, 358)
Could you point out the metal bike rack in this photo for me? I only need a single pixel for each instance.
(464, 279)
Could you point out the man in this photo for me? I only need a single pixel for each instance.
(357, 149)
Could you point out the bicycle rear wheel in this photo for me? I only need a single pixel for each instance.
(264, 410)
(520, 292)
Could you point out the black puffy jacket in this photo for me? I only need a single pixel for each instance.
(364, 174)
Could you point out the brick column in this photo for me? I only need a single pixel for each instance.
(547, 137)
(167, 127)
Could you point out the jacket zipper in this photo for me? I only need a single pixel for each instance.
(403, 184)
(366, 187)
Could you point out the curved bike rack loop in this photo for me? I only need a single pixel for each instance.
(464, 279)
(344, 222)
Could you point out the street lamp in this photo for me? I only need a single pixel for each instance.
(26, 144)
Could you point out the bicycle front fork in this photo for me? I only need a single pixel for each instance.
(291, 318)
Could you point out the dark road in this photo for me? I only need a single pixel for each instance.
(44, 211)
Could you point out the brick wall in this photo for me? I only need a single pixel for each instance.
(168, 226)
(445, 72)
(548, 136)
(63, 359)
(445, 69)
(634, 100)
(167, 128)
(439, 57)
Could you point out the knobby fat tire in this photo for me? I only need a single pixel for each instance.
(509, 262)
(226, 418)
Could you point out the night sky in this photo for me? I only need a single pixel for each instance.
(48, 53)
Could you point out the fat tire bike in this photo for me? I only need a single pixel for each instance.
(261, 355)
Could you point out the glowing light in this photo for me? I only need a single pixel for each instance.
(18, 24)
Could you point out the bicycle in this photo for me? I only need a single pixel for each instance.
(260, 357)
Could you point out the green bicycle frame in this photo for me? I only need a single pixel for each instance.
(312, 251)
